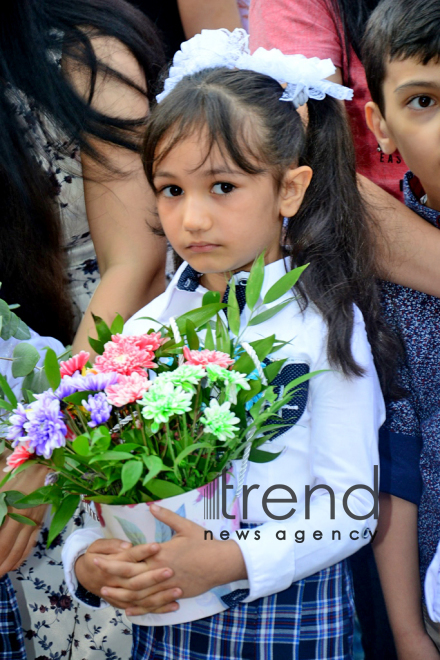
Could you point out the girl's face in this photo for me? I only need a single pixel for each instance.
(217, 217)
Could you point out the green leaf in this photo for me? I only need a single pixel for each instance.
(223, 342)
(25, 357)
(58, 457)
(41, 496)
(255, 282)
(262, 347)
(5, 312)
(268, 313)
(36, 382)
(233, 310)
(64, 513)
(117, 326)
(22, 331)
(211, 298)
(301, 379)
(130, 475)
(78, 397)
(81, 445)
(102, 329)
(189, 450)
(97, 345)
(154, 465)
(259, 456)
(199, 316)
(3, 508)
(209, 339)
(22, 519)
(163, 489)
(13, 496)
(191, 335)
(7, 406)
(283, 285)
(273, 369)
(9, 394)
(9, 328)
(111, 456)
(52, 369)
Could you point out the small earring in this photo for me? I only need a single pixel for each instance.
(379, 148)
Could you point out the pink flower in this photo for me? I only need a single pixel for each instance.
(128, 389)
(125, 355)
(20, 455)
(150, 342)
(205, 357)
(76, 363)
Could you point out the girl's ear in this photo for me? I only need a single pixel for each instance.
(293, 187)
(378, 125)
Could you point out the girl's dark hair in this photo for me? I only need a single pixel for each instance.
(33, 34)
(351, 17)
(242, 115)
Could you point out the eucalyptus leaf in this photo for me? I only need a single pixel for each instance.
(130, 475)
(22, 331)
(62, 516)
(36, 382)
(255, 282)
(5, 312)
(52, 368)
(268, 313)
(284, 284)
(9, 329)
(233, 310)
(25, 358)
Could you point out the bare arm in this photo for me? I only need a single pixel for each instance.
(197, 15)
(119, 205)
(396, 553)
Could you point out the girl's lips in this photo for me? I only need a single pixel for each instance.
(202, 247)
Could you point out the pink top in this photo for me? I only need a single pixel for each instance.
(309, 27)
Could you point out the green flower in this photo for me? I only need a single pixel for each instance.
(187, 376)
(219, 420)
(162, 401)
(234, 380)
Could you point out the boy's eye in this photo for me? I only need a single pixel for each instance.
(222, 188)
(172, 191)
(421, 102)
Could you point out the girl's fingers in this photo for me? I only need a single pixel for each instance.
(137, 611)
(141, 598)
(140, 552)
(129, 570)
(109, 546)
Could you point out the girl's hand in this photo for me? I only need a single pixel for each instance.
(198, 566)
(115, 563)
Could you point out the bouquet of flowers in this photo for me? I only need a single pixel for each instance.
(156, 414)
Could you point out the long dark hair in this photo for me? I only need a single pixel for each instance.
(351, 17)
(33, 34)
(242, 114)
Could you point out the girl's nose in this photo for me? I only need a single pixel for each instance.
(196, 216)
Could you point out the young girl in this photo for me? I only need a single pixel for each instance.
(228, 157)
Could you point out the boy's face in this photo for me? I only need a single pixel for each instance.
(412, 120)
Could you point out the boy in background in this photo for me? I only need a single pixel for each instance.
(401, 56)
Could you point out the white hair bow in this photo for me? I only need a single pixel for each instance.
(304, 78)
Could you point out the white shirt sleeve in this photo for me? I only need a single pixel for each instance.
(432, 587)
(75, 546)
(346, 415)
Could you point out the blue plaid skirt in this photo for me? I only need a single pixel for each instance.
(311, 620)
(11, 633)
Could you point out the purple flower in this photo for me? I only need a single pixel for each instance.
(45, 426)
(78, 383)
(99, 409)
(18, 419)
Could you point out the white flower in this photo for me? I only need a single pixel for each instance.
(234, 380)
(162, 401)
(219, 420)
(187, 376)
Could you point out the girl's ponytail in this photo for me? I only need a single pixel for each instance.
(331, 231)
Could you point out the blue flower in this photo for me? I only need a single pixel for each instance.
(99, 409)
(17, 420)
(78, 383)
(45, 426)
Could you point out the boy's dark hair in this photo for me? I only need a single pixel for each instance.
(242, 114)
(33, 34)
(397, 30)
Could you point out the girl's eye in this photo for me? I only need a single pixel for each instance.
(419, 102)
(172, 191)
(222, 188)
